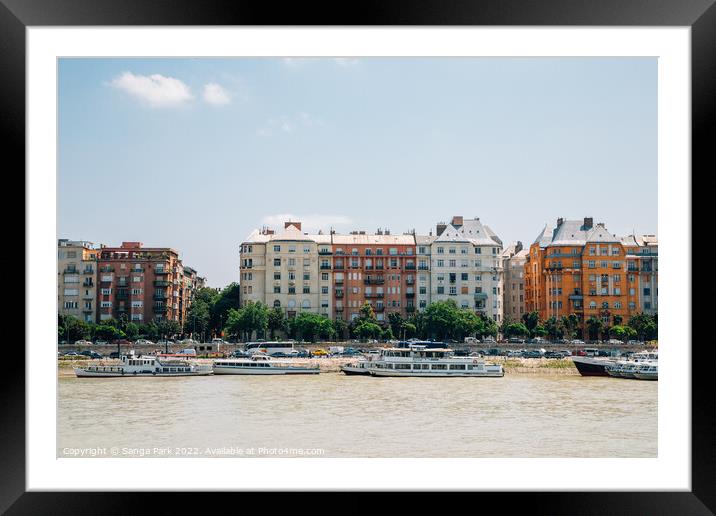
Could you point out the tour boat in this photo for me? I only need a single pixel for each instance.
(361, 367)
(147, 365)
(421, 361)
(647, 371)
(628, 368)
(260, 364)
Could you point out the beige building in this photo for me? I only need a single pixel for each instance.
(513, 265)
(284, 270)
(466, 266)
(77, 279)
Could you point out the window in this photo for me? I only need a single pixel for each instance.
(277, 289)
(277, 262)
(277, 249)
(276, 275)
(441, 250)
(441, 290)
(324, 276)
(306, 289)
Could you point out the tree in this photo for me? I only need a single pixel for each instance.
(277, 321)
(106, 332)
(645, 326)
(225, 300)
(253, 317)
(365, 329)
(531, 320)
(396, 323)
(570, 325)
(594, 327)
(340, 327)
(515, 330)
(366, 311)
(72, 329)
(308, 326)
(553, 328)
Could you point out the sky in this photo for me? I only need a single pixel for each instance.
(194, 154)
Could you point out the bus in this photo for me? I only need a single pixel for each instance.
(270, 347)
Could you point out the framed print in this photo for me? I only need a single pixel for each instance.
(203, 187)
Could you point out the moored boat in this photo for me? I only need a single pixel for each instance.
(591, 366)
(148, 365)
(421, 361)
(647, 371)
(260, 365)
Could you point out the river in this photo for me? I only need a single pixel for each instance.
(333, 415)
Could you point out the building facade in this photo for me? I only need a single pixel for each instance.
(577, 267)
(77, 279)
(513, 265)
(466, 266)
(142, 284)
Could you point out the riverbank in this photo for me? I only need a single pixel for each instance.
(543, 366)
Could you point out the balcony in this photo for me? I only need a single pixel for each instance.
(160, 309)
(410, 295)
(88, 284)
(480, 295)
(324, 252)
(325, 267)
(374, 280)
(410, 309)
(576, 297)
(338, 281)
(376, 295)
(339, 309)
(368, 267)
(71, 271)
(161, 283)
(160, 272)
(88, 271)
(339, 294)
(137, 270)
(379, 308)
(160, 297)
(379, 267)
(338, 266)
(410, 266)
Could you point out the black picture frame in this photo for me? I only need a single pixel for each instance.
(700, 15)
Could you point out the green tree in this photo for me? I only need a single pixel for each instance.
(515, 330)
(365, 329)
(277, 321)
(570, 325)
(553, 328)
(340, 327)
(367, 312)
(224, 300)
(308, 326)
(594, 327)
(531, 320)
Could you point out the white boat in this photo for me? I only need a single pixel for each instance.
(628, 368)
(147, 365)
(361, 367)
(260, 364)
(423, 361)
(647, 371)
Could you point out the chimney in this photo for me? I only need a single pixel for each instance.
(560, 221)
(518, 247)
(457, 220)
(387, 231)
(440, 228)
(289, 223)
(588, 223)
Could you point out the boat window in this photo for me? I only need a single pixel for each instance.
(457, 366)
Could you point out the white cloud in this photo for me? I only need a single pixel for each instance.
(215, 94)
(156, 90)
(309, 223)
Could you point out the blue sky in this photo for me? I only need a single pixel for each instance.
(195, 153)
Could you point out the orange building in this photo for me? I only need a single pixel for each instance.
(140, 283)
(580, 268)
(378, 269)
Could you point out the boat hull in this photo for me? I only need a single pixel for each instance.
(591, 367)
(255, 371)
(82, 373)
(435, 374)
(646, 376)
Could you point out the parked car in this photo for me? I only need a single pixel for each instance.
(144, 342)
(83, 342)
(565, 352)
(239, 354)
(114, 354)
(122, 342)
(580, 353)
(515, 340)
(553, 354)
(320, 352)
(72, 354)
(91, 354)
(100, 342)
(577, 342)
(302, 354)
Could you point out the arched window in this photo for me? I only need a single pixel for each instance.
(306, 304)
(277, 304)
(291, 303)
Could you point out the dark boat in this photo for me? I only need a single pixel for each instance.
(588, 366)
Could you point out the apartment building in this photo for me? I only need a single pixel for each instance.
(77, 279)
(140, 283)
(513, 265)
(423, 244)
(378, 269)
(285, 270)
(580, 267)
(466, 266)
(330, 274)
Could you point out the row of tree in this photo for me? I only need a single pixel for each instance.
(439, 321)
(71, 329)
(640, 326)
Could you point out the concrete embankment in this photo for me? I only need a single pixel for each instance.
(333, 365)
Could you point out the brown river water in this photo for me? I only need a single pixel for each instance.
(333, 415)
